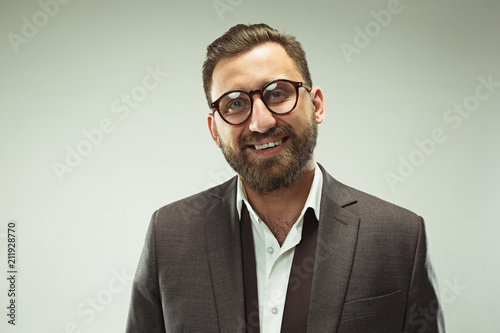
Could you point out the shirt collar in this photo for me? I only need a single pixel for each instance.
(313, 199)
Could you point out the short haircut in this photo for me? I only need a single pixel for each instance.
(243, 38)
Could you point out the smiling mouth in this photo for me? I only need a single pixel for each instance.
(268, 145)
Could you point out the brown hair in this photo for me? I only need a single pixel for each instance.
(243, 38)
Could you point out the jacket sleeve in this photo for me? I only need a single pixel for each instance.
(423, 307)
(145, 312)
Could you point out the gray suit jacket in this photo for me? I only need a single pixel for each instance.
(372, 271)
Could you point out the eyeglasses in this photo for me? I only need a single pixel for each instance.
(279, 97)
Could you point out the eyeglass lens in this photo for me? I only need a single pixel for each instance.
(278, 96)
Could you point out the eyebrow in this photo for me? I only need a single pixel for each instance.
(259, 87)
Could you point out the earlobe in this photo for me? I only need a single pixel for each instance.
(318, 104)
(212, 127)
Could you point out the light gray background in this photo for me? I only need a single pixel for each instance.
(76, 235)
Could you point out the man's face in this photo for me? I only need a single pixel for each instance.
(292, 136)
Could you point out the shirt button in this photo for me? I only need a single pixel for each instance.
(270, 250)
(274, 310)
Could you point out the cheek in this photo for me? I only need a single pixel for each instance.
(301, 120)
(229, 136)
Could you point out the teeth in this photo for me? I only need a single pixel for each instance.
(269, 145)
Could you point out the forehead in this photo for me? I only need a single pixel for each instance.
(253, 69)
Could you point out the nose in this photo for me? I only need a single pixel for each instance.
(261, 119)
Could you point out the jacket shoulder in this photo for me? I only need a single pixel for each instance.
(192, 209)
(359, 202)
(376, 207)
(375, 214)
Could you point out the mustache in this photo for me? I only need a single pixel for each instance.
(283, 130)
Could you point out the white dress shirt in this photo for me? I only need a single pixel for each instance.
(273, 262)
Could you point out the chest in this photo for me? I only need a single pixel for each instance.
(280, 226)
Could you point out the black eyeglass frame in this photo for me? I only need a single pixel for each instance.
(215, 105)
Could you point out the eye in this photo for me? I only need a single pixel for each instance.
(234, 106)
(275, 94)
(234, 103)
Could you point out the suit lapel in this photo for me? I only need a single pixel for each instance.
(335, 249)
(223, 244)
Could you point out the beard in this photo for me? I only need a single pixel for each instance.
(270, 174)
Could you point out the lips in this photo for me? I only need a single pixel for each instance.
(265, 142)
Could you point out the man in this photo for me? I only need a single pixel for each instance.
(283, 246)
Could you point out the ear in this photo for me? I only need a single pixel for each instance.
(319, 104)
(213, 129)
